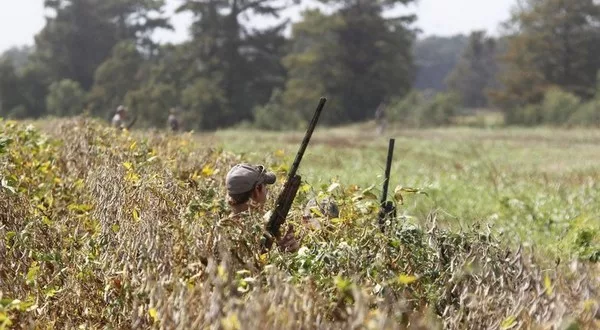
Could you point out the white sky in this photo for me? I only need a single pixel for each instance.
(20, 20)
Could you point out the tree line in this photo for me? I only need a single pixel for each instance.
(94, 55)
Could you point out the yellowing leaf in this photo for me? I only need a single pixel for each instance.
(548, 285)
(132, 177)
(133, 145)
(79, 184)
(263, 258)
(136, 215)
(80, 208)
(128, 165)
(115, 228)
(4, 320)
(153, 314)
(305, 188)
(231, 322)
(588, 305)
(280, 153)
(398, 196)
(509, 322)
(207, 170)
(406, 279)
(221, 271)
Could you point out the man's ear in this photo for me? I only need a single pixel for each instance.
(257, 190)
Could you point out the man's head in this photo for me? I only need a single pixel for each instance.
(245, 182)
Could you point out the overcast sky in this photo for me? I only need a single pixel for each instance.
(20, 20)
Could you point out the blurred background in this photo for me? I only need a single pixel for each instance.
(264, 63)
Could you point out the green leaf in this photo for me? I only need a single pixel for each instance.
(10, 235)
(4, 302)
(342, 284)
(32, 273)
(51, 292)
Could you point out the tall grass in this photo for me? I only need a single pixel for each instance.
(107, 229)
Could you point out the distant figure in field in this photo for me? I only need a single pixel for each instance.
(173, 122)
(380, 118)
(119, 118)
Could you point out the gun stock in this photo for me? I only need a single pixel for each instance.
(387, 207)
(292, 184)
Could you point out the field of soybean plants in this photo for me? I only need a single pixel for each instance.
(496, 229)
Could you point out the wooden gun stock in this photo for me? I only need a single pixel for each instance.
(286, 197)
(284, 203)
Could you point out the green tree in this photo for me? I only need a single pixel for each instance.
(65, 98)
(115, 77)
(553, 43)
(435, 58)
(9, 87)
(151, 103)
(19, 56)
(476, 71)
(238, 64)
(80, 34)
(355, 56)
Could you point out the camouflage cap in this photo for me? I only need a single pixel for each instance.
(242, 178)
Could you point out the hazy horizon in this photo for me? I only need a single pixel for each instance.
(435, 17)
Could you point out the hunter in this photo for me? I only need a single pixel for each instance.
(172, 121)
(247, 193)
(119, 118)
(380, 119)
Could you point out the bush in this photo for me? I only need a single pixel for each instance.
(404, 110)
(65, 98)
(558, 106)
(416, 110)
(273, 116)
(438, 112)
(588, 114)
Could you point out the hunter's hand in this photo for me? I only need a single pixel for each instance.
(289, 243)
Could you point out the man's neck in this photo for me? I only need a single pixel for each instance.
(246, 207)
(240, 208)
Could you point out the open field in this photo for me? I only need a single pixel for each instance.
(537, 186)
(102, 228)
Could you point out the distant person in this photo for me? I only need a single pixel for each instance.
(118, 120)
(380, 118)
(172, 121)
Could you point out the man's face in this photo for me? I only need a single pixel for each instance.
(260, 194)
